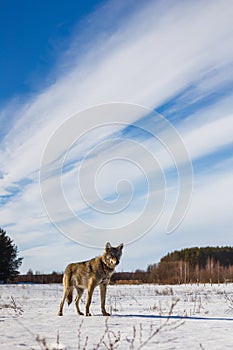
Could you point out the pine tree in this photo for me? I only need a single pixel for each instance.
(9, 261)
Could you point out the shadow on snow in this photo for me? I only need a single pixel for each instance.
(176, 317)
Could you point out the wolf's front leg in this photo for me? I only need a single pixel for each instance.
(103, 289)
(90, 290)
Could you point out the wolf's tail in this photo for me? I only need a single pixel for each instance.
(69, 297)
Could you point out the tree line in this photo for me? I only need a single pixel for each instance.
(194, 265)
(200, 256)
(189, 265)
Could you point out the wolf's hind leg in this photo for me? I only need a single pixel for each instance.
(65, 294)
(78, 297)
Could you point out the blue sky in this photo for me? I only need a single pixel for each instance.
(135, 59)
(32, 35)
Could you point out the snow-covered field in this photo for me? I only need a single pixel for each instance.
(143, 317)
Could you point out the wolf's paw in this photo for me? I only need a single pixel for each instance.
(105, 313)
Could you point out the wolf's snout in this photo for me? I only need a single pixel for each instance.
(114, 261)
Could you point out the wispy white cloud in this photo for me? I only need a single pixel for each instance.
(145, 62)
(208, 222)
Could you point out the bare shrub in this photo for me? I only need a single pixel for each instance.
(229, 301)
(11, 306)
(45, 346)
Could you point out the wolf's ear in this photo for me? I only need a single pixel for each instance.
(107, 246)
(120, 247)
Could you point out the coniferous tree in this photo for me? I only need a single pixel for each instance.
(9, 261)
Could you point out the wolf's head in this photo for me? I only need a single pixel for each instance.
(112, 255)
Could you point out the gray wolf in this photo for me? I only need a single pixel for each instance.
(90, 274)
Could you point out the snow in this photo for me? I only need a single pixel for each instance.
(201, 317)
